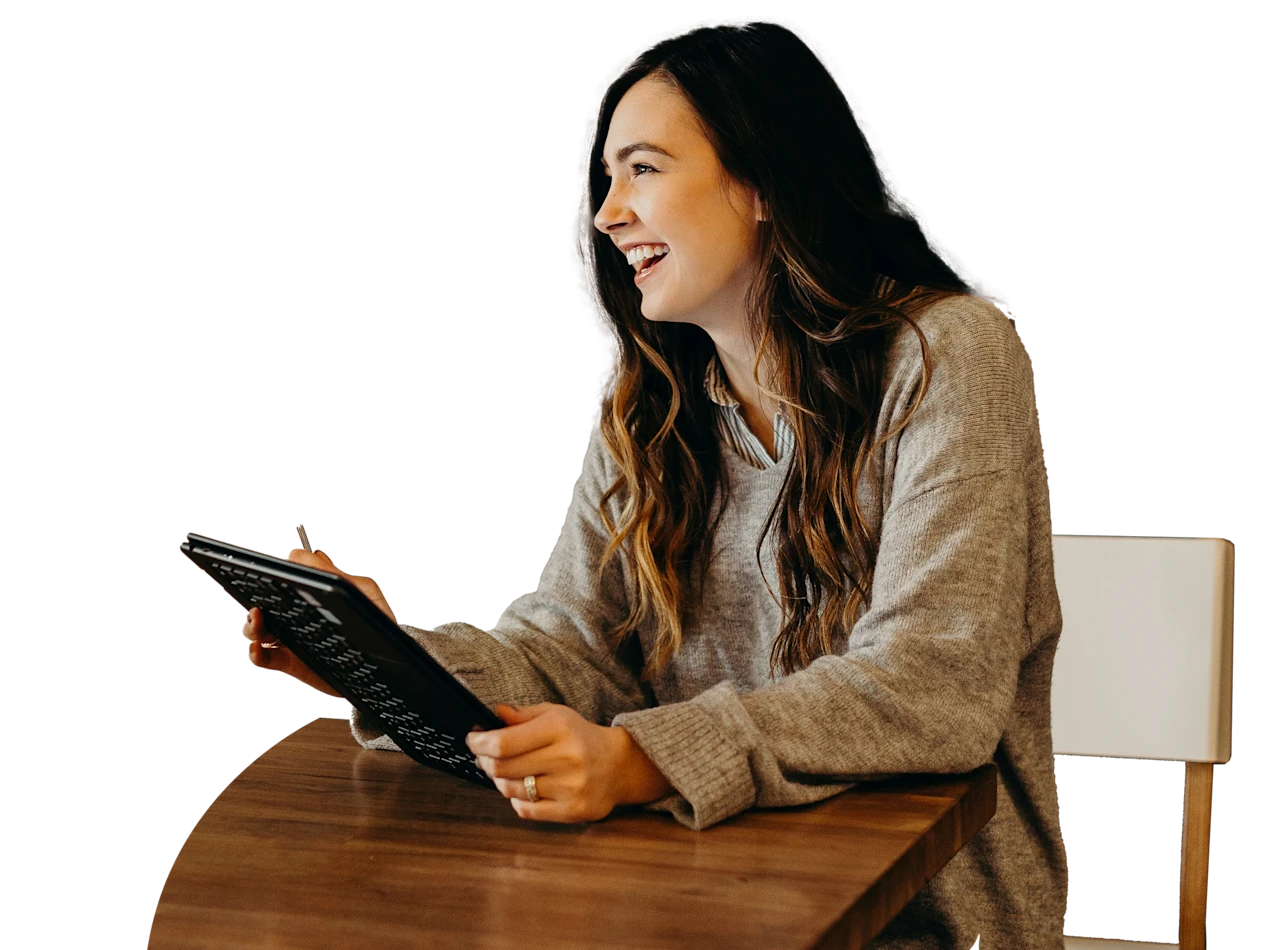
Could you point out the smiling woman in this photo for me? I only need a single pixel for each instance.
(706, 132)
(798, 371)
(671, 181)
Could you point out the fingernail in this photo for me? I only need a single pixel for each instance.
(249, 616)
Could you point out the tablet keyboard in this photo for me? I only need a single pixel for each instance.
(316, 627)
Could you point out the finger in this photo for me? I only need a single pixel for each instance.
(512, 715)
(262, 656)
(547, 809)
(545, 761)
(284, 660)
(512, 788)
(275, 656)
(266, 654)
(255, 627)
(315, 559)
(518, 739)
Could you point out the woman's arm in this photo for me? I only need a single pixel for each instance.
(928, 679)
(637, 781)
(548, 646)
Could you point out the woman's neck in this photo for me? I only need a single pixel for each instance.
(737, 357)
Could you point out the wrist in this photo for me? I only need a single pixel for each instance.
(636, 779)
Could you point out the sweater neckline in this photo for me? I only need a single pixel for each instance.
(745, 468)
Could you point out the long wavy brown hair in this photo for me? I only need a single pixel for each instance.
(779, 124)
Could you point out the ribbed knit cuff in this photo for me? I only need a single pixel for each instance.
(369, 734)
(711, 775)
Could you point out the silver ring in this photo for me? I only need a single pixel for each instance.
(531, 788)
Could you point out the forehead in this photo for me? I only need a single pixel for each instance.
(656, 112)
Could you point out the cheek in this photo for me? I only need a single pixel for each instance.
(710, 263)
(717, 248)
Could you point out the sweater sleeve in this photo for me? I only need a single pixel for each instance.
(549, 645)
(928, 677)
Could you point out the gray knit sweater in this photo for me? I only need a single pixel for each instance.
(947, 668)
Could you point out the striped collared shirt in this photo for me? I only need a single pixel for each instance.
(732, 425)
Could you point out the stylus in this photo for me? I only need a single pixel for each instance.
(302, 533)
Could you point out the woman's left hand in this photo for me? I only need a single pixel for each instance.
(582, 770)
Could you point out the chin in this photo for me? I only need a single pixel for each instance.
(656, 312)
(663, 312)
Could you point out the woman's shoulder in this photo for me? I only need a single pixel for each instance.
(966, 334)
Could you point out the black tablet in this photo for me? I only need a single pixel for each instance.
(358, 650)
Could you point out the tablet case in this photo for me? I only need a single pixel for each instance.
(358, 650)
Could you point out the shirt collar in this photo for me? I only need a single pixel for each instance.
(718, 387)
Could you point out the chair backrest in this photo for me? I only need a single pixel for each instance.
(1143, 669)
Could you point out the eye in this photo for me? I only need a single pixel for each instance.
(636, 167)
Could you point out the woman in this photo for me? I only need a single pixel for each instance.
(798, 371)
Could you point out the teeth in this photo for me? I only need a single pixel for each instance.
(645, 251)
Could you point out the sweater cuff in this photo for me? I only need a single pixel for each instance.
(369, 734)
(712, 777)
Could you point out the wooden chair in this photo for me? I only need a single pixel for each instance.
(1143, 671)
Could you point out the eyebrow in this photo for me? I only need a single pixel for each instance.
(625, 152)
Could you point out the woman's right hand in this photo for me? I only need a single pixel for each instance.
(271, 654)
(280, 657)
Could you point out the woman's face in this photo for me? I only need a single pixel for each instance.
(673, 191)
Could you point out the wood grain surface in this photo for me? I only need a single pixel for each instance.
(320, 843)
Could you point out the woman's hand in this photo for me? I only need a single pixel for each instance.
(269, 653)
(366, 585)
(582, 770)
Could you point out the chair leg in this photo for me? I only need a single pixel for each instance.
(1197, 797)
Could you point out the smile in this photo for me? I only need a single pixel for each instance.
(644, 274)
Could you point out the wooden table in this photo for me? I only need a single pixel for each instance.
(320, 843)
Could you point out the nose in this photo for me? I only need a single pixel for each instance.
(614, 212)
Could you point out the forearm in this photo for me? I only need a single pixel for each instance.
(637, 781)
